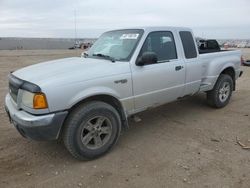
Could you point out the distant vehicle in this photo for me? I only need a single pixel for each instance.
(246, 63)
(84, 46)
(76, 46)
(87, 100)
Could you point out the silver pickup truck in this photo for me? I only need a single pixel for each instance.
(86, 100)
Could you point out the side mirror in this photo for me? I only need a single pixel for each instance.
(84, 54)
(147, 58)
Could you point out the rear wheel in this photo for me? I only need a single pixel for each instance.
(221, 94)
(91, 130)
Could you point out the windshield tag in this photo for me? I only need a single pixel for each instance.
(129, 36)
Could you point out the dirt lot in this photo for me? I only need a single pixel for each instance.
(182, 144)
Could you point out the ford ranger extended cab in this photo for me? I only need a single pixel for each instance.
(86, 100)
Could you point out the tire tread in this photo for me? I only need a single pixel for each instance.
(212, 98)
(71, 124)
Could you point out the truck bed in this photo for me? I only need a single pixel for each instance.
(211, 51)
(214, 62)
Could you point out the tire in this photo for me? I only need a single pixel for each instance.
(91, 130)
(215, 97)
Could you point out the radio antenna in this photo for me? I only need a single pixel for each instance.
(75, 25)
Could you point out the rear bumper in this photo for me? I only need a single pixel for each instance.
(36, 127)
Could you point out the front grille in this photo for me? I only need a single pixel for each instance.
(14, 84)
(13, 91)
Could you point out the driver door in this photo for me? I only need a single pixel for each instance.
(158, 83)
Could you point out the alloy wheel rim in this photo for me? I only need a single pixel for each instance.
(224, 91)
(96, 132)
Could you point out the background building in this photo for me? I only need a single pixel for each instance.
(41, 43)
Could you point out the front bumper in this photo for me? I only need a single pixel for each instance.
(37, 127)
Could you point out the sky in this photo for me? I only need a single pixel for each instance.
(220, 19)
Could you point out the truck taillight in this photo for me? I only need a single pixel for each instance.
(242, 60)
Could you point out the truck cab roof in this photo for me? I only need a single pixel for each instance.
(159, 28)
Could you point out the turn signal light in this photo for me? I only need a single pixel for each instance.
(39, 101)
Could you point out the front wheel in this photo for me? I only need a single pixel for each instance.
(221, 93)
(91, 130)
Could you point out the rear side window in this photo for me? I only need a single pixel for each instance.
(188, 44)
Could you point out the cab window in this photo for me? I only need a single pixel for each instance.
(188, 44)
(162, 44)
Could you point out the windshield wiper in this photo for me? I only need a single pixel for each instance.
(105, 56)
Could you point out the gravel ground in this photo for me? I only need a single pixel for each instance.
(181, 144)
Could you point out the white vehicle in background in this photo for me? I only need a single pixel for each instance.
(87, 100)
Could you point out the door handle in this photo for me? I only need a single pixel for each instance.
(177, 68)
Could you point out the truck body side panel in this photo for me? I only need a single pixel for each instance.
(214, 63)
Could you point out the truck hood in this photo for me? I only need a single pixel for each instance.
(70, 70)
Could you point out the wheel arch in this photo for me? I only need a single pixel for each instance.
(109, 99)
(231, 72)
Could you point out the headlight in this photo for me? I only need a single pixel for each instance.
(34, 100)
(27, 99)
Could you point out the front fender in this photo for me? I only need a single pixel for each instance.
(90, 92)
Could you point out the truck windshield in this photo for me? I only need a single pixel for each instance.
(117, 45)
